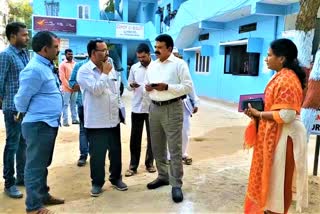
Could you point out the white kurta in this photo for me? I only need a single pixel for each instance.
(294, 128)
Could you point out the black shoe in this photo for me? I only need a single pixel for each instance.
(96, 191)
(82, 161)
(119, 185)
(177, 195)
(75, 122)
(157, 183)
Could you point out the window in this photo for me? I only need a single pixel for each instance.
(83, 11)
(202, 63)
(52, 8)
(203, 37)
(239, 62)
(248, 28)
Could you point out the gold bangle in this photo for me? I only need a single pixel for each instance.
(260, 115)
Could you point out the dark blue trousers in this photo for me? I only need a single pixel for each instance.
(40, 139)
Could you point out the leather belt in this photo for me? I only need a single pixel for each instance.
(167, 102)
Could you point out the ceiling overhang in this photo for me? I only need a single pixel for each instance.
(145, 1)
(207, 25)
(274, 9)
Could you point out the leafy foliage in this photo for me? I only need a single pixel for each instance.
(20, 11)
(109, 6)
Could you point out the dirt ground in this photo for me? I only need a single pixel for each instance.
(214, 183)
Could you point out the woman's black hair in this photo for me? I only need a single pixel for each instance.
(287, 49)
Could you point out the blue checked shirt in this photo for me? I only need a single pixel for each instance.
(73, 79)
(12, 62)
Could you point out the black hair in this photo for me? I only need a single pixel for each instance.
(92, 45)
(287, 49)
(42, 39)
(67, 51)
(167, 39)
(143, 47)
(14, 28)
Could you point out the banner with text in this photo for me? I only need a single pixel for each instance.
(316, 125)
(129, 31)
(54, 24)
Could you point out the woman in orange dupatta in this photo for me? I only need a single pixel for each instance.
(278, 137)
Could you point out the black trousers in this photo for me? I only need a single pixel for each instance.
(137, 120)
(101, 140)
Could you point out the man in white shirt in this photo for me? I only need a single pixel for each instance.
(101, 103)
(167, 82)
(190, 106)
(140, 111)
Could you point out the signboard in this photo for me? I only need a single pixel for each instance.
(54, 24)
(316, 125)
(64, 44)
(129, 31)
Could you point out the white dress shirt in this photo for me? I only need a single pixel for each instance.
(175, 73)
(100, 96)
(140, 100)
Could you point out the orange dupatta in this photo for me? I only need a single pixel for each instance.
(284, 91)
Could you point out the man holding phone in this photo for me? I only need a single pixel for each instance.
(140, 111)
(167, 83)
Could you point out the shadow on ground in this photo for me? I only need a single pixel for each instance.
(215, 183)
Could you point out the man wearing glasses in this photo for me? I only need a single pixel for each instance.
(83, 139)
(101, 103)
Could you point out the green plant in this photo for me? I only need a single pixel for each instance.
(109, 6)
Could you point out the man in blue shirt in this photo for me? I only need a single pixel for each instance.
(40, 99)
(12, 60)
(83, 139)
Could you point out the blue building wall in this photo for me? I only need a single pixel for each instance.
(188, 25)
(146, 13)
(95, 27)
(194, 17)
(68, 8)
(227, 86)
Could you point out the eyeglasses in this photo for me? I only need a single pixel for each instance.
(103, 50)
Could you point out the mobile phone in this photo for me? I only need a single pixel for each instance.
(18, 117)
(154, 84)
(135, 85)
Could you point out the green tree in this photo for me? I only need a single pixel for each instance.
(109, 6)
(20, 11)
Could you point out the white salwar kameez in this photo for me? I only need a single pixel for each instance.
(294, 128)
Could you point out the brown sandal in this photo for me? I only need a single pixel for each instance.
(151, 169)
(130, 173)
(42, 210)
(187, 160)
